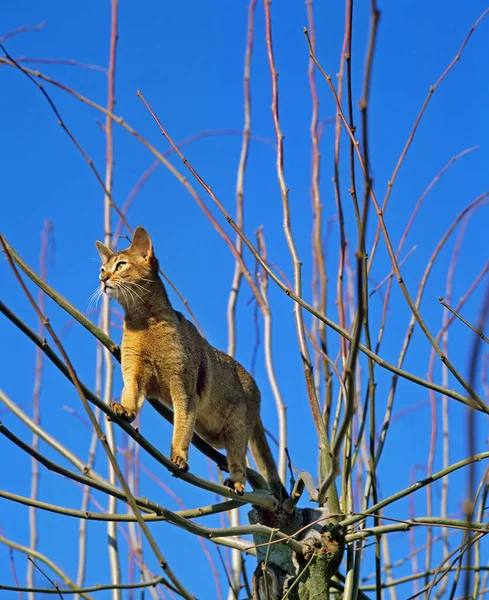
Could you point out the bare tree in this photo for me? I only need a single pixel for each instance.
(337, 535)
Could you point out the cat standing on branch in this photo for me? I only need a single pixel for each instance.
(164, 357)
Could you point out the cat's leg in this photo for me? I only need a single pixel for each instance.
(236, 443)
(132, 401)
(185, 411)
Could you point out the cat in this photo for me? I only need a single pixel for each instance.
(165, 357)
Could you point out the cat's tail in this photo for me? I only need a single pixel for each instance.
(262, 455)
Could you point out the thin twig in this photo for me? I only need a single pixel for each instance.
(36, 394)
(94, 588)
(55, 585)
(459, 316)
(234, 578)
(22, 29)
(269, 362)
(112, 539)
(60, 61)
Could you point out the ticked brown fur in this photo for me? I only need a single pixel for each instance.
(165, 357)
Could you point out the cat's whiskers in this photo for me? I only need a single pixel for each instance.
(93, 300)
(120, 287)
(137, 285)
(134, 291)
(129, 291)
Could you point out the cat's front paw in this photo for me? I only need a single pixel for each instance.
(122, 412)
(180, 461)
(235, 486)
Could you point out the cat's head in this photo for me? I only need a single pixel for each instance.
(126, 275)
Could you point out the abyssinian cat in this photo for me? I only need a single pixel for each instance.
(165, 357)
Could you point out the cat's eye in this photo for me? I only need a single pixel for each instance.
(120, 265)
(102, 269)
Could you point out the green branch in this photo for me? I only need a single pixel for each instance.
(453, 311)
(45, 560)
(412, 488)
(94, 588)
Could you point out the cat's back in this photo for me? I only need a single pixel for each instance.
(227, 371)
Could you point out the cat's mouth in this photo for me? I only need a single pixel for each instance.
(110, 290)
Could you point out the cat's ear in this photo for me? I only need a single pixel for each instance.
(104, 252)
(141, 243)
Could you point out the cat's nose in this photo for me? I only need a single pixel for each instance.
(104, 276)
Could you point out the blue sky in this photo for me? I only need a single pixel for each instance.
(187, 59)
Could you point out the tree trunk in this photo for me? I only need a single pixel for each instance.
(280, 571)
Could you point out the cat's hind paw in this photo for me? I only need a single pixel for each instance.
(235, 486)
(179, 461)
